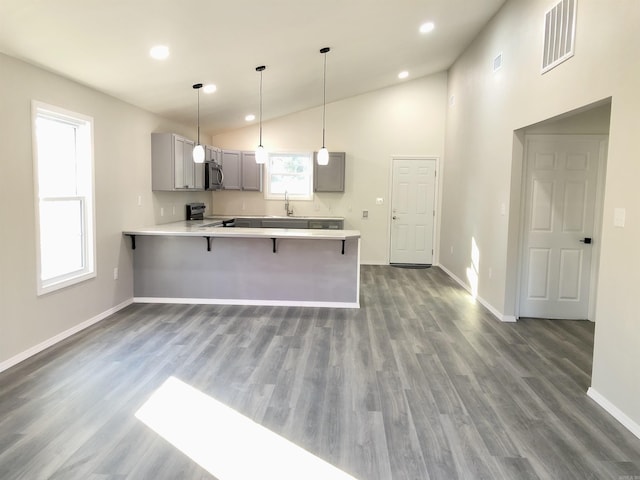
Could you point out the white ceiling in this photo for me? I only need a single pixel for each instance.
(105, 44)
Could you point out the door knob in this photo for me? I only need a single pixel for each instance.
(394, 217)
(586, 240)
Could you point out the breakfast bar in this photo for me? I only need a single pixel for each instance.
(200, 262)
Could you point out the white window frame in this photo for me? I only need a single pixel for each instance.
(269, 195)
(85, 195)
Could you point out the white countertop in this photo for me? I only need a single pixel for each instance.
(207, 228)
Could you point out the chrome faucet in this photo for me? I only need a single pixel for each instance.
(286, 204)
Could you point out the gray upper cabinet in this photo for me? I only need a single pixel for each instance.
(329, 178)
(172, 166)
(241, 172)
(251, 173)
(232, 169)
(212, 154)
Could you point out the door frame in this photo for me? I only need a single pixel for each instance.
(598, 216)
(435, 241)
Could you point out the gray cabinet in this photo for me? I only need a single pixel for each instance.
(241, 172)
(248, 222)
(329, 178)
(232, 169)
(289, 222)
(326, 224)
(285, 223)
(172, 165)
(251, 176)
(212, 154)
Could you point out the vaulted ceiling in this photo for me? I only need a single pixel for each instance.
(105, 44)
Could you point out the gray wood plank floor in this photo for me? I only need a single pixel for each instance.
(420, 383)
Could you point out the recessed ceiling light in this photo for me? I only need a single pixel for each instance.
(250, 118)
(209, 88)
(402, 75)
(159, 52)
(427, 27)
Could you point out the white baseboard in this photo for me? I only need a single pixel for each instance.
(496, 313)
(61, 336)
(226, 301)
(614, 411)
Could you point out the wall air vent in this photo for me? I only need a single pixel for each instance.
(559, 34)
(497, 62)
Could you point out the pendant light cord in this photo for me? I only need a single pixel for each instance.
(324, 96)
(197, 87)
(261, 106)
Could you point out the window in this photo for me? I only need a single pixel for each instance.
(63, 171)
(291, 173)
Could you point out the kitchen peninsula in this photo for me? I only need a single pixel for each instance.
(198, 261)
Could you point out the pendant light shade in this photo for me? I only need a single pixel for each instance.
(323, 153)
(261, 153)
(198, 154)
(198, 150)
(323, 156)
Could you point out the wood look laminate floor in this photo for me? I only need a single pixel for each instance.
(420, 383)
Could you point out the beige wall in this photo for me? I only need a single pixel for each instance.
(481, 172)
(122, 172)
(407, 119)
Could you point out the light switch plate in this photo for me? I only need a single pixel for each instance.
(365, 214)
(619, 217)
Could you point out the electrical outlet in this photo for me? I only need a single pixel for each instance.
(115, 273)
(379, 201)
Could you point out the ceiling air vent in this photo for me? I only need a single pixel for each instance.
(559, 34)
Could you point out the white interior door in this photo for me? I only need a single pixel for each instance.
(561, 191)
(412, 210)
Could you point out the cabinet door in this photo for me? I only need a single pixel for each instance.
(243, 223)
(211, 154)
(198, 176)
(189, 164)
(326, 224)
(183, 163)
(231, 168)
(285, 223)
(329, 178)
(251, 172)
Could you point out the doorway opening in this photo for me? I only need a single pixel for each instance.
(547, 278)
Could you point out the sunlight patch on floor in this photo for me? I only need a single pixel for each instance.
(224, 442)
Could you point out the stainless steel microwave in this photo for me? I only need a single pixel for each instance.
(213, 176)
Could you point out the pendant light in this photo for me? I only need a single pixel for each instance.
(198, 150)
(323, 153)
(261, 153)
